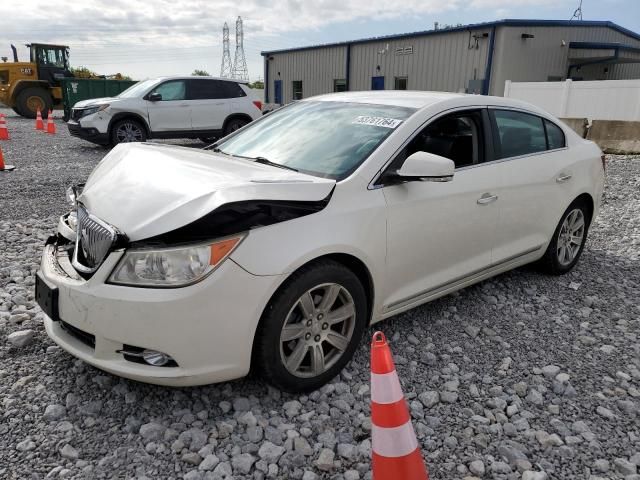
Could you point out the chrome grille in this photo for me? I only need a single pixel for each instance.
(94, 239)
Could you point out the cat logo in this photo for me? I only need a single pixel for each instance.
(26, 71)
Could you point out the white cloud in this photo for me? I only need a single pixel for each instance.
(151, 35)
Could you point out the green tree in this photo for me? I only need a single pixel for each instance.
(200, 73)
(258, 84)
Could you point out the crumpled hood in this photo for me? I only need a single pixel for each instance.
(94, 101)
(148, 189)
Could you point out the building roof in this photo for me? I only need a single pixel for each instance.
(473, 26)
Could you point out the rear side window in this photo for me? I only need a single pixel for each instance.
(555, 135)
(519, 133)
(213, 90)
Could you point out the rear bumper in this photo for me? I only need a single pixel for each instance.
(90, 134)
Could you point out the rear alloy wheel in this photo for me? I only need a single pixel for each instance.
(127, 131)
(311, 327)
(233, 125)
(568, 240)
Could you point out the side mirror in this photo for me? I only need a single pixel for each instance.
(154, 97)
(428, 167)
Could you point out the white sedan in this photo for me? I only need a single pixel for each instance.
(275, 249)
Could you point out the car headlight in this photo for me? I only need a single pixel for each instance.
(172, 267)
(92, 110)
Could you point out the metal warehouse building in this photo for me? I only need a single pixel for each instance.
(473, 58)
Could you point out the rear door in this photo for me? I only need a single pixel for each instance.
(536, 176)
(172, 113)
(209, 101)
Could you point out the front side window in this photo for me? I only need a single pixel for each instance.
(326, 139)
(457, 137)
(172, 90)
(297, 89)
(519, 133)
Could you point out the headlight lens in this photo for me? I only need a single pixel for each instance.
(92, 110)
(172, 267)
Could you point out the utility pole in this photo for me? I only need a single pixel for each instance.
(577, 14)
(240, 70)
(225, 69)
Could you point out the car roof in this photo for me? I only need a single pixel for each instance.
(424, 99)
(200, 77)
(403, 98)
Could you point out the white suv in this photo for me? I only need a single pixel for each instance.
(166, 107)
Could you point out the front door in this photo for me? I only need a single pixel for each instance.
(441, 234)
(172, 113)
(377, 83)
(277, 88)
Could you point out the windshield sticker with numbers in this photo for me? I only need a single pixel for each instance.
(377, 121)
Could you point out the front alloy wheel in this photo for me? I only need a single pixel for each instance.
(127, 131)
(311, 327)
(317, 330)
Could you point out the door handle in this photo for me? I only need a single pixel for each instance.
(487, 198)
(565, 177)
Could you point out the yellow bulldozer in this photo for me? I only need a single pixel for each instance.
(29, 86)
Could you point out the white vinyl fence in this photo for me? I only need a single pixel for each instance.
(597, 100)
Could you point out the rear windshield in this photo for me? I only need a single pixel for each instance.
(325, 139)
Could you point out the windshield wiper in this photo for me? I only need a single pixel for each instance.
(266, 161)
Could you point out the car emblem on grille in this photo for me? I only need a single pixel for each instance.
(94, 240)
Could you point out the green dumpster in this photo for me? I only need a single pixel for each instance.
(77, 89)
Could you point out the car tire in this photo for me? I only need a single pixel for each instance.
(568, 240)
(326, 348)
(29, 99)
(233, 125)
(128, 130)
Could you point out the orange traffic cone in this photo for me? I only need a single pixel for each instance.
(4, 133)
(3, 167)
(395, 450)
(51, 127)
(39, 122)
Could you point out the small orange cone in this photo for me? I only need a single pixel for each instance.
(4, 133)
(51, 127)
(3, 167)
(39, 122)
(395, 449)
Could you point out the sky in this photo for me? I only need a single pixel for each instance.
(145, 39)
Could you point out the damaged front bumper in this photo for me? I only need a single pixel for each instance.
(207, 329)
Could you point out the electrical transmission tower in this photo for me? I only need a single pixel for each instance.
(240, 70)
(225, 69)
(577, 14)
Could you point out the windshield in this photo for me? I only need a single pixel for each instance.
(326, 139)
(137, 90)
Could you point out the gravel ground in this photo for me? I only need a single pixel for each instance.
(521, 377)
